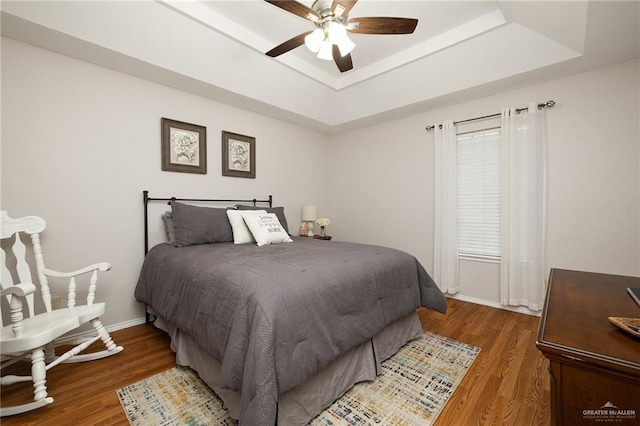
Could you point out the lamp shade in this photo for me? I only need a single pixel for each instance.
(326, 51)
(314, 40)
(346, 46)
(338, 36)
(309, 213)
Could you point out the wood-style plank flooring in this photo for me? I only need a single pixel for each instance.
(508, 383)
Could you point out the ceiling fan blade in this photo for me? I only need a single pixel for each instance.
(345, 6)
(382, 25)
(288, 45)
(297, 8)
(344, 63)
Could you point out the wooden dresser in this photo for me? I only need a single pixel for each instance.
(594, 366)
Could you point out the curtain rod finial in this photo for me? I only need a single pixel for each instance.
(548, 104)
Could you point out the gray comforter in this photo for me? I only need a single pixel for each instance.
(276, 314)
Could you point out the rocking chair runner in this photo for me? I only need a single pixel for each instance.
(35, 335)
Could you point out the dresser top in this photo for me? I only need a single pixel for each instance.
(574, 321)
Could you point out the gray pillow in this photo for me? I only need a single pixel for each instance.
(200, 225)
(167, 219)
(279, 211)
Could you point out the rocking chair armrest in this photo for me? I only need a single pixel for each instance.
(21, 289)
(103, 266)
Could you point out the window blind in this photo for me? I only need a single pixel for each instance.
(479, 194)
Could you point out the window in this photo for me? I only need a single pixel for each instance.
(479, 194)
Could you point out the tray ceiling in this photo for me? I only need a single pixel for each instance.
(460, 50)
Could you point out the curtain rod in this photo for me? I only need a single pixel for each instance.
(548, 104)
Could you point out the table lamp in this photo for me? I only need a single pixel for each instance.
(309, 215)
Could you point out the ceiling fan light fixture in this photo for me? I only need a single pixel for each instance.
(314, 40)
(346, 46)
(338, 36)
(329, 40)
(326, 51)
(336, 32)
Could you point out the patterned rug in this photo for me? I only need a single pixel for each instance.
(413, 388)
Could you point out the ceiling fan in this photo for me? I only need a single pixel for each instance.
(329, 40)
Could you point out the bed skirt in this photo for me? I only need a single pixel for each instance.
(304, 402)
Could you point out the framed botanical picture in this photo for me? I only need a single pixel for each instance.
(184, 147)
(238, 155)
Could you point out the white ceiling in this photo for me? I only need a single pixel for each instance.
(460, 50)
(373, 51)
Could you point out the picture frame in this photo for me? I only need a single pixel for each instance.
(184, 147)
(238, 155)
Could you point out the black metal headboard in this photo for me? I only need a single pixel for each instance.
(146, 198)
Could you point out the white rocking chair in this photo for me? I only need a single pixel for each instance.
(35, 335)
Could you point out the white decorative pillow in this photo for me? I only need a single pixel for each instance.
(241, 233)
(265, 228)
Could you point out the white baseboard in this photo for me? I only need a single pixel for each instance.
(519, 309)
(89, 333)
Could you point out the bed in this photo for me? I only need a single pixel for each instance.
(279, 331)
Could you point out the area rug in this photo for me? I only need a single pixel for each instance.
(413, 388)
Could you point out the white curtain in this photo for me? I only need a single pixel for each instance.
(523, 208)
(445, 250)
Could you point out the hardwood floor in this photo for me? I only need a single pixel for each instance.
(85, 393)
(508, 383)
